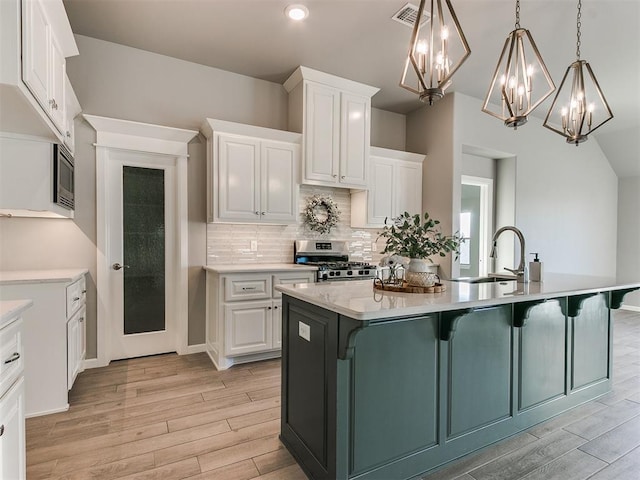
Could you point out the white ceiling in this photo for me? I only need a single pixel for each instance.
(357, 39)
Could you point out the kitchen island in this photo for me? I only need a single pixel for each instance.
(381, 385)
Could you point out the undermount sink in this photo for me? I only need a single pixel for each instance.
(488, 279)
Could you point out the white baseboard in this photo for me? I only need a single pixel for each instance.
(202, 347)
(92, 363)
(47, 412)
(631, 308)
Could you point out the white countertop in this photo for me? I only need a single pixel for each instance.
(11, 308)
(67, 275)
(358, 299)
(257, 267)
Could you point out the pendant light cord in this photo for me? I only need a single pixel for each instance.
(579, 24)
(517, 14)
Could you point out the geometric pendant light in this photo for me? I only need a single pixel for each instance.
(579, 107)
(521, 80)
(436, 51)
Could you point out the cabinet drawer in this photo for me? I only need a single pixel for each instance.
(11, 354)
(247, 287)
(76, 293)
(291, 278)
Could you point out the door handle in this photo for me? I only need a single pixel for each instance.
(117, 266)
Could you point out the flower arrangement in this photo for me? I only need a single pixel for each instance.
(321, 214)
(415, 236)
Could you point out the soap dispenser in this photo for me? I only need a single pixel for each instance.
(535, 269)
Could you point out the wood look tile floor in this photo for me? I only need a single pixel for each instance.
(170, 417)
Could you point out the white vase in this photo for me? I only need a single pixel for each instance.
(421, 272)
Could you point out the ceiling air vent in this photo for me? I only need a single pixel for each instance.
(407, 15)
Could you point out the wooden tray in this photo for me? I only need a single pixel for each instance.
(405, 287)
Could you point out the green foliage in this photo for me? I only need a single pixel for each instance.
(416, 237)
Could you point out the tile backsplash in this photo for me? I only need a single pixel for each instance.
(231, 243)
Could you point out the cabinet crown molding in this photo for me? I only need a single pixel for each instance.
(306, 73)
(211, 125)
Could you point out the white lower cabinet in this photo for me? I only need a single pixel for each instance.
(54, 334)
(12, 433)
(244, 314)
(12, 414)
(76, 345)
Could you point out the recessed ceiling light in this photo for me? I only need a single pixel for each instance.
(296, 12)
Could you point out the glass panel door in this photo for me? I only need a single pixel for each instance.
(143, 211)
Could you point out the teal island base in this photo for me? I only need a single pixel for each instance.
(394, 398)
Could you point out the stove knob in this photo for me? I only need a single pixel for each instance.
(331, 274)
(350, 272)
(337, 274)
(366, 272)
(324, 276)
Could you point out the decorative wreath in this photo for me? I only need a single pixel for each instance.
(321, 214)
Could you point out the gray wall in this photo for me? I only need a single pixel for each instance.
(566, 197)
(121, 82)
(629, 235)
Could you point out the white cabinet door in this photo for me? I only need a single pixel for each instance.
(238, 178)
(380, 202)
(277, 324)
(248, 327)
(36, 38)
(321, 134)
(81, 342)
(408, 188)
(72, 350)
(354, 140)
(12, 439)
(278, 182)
(57, 87)
(72, 109)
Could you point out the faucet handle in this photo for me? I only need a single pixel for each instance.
(514, 271)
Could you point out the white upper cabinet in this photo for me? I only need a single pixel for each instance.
(252, 174)
(35, 39)
(36, 51)
(72, 110)
(395, 187)
(334, 116)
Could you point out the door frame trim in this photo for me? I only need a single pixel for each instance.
(112, 134)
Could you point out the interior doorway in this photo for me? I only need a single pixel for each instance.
(476, 225)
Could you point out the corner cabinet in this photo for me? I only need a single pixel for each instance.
(252, 174)
(395, 187)
(54, 333)
(244, 314)
(334, 116)
(35, 41)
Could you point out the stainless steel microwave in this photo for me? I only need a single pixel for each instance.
(63, 179)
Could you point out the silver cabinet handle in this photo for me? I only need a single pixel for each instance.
(12, 358)
(262, 213)
(117, 266)
(256, 212)
(68, 134)
(81, 319)
(268, 308)
(75, 299)
(342, 177)
(84, 291)
(248, 288)
(334, 175)
(275, 308)
(1, 430)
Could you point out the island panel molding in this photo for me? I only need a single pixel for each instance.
(452, 394)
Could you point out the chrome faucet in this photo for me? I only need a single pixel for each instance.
(522, 272)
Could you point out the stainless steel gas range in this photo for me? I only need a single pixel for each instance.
(332, 259)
